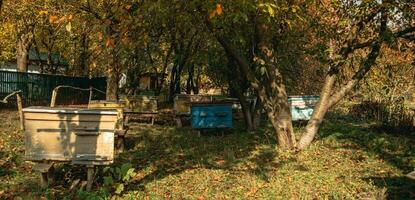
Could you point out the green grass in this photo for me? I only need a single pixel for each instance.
(348, 160)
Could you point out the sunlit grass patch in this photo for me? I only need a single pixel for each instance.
(347, 161)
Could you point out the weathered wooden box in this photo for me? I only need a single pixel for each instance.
(211, 115)
(110, 105)
(81, 136)
(143, 104)
(302, 106)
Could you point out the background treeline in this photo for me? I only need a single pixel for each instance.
(359, 50)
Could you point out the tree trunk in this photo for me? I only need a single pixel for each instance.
(112, 85)
(175, 81)
(272, 92)
(327, 100)
(235, 81)
(319, 112)
(283, 121)
(52, 67)
(283, 127)
(197, 82)
(172, 83)
(1, 5)
(83, 56)
(113, 77)
(189, 82)
(22, 55)
(246, 108)
(257, 112)
(279, 112)
(160, 82)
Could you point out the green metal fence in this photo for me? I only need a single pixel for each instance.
(37, 88)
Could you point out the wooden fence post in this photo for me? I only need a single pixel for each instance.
(53, 99)
(19, 105)
(90, 95)
(20, 109)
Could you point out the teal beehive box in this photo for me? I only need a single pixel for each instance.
(211, 115)
(302, 106)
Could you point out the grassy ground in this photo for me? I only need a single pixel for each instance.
(349, 160)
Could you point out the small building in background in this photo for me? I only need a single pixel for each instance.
(38, 63)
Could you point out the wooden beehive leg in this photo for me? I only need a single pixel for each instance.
(127, 119)
(179, 122)
(43, 168)
(51, 175)
(44, 179)
(152, 119)
(20, 109)
(90, 177)
(120, 144)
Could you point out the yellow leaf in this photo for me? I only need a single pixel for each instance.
(43, 12)
(68, 27)
(271, 11)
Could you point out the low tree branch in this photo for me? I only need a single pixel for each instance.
(366, 66)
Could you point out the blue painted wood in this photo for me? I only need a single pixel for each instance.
(302, 106)
(209, 116)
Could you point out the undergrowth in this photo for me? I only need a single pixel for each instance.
(348, 160)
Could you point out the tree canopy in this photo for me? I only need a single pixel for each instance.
(269, 49)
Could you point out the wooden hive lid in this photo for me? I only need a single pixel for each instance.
(41, 109)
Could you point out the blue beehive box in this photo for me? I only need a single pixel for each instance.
(211, 115)
(302, 106)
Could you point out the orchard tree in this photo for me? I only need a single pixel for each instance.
(359, 25)
(111, 21)
(23, 14)
(54, 26)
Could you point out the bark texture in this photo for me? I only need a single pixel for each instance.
(23, 45)
(327, 99)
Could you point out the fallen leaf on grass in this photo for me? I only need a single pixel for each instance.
(251, 192)
(220, 162)
(217, 178)
(201, 198)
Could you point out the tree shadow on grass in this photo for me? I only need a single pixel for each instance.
(160, 152)
(397, 149)
(397, 187)
(4, 165)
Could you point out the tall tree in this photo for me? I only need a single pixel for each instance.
(270, 84)
(112, 20)
(23, 14)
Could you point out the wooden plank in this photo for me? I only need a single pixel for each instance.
(47, 126)
(61, 140)
(42, 167)
(69, 117)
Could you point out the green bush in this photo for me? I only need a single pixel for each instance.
(117, 178)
